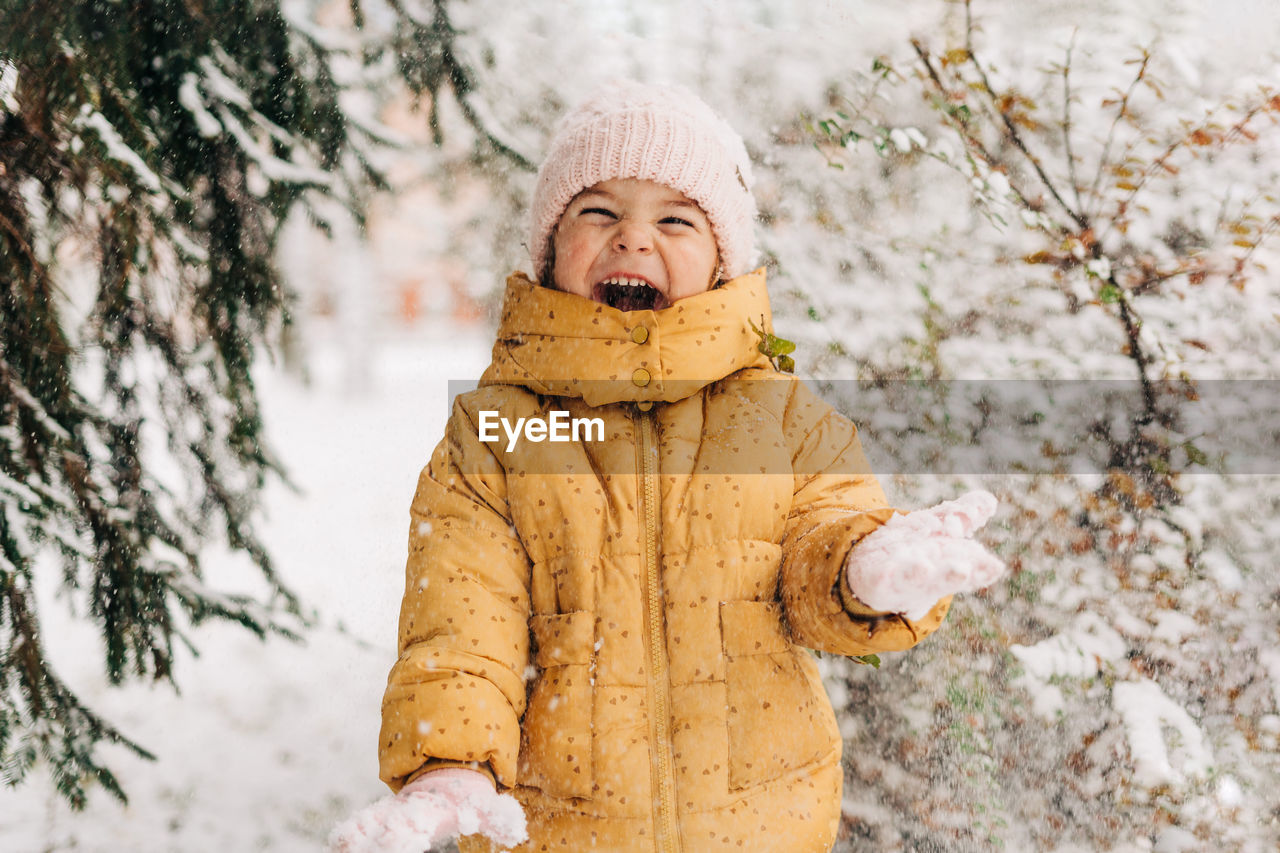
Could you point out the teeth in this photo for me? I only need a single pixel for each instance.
(626, 282)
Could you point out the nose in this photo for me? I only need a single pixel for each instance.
(631, 236)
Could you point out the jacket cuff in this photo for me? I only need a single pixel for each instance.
(447, 763)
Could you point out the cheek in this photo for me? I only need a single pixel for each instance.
(703, 254)
(577, 251)
(574, 254)
(696, 264)
(579, 247)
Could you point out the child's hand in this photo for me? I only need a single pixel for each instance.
(915, 559)
(432, 809)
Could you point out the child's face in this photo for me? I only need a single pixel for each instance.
(633, 245)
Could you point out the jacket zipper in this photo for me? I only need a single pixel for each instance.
(666, 838)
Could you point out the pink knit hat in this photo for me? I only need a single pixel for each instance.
(652, 132)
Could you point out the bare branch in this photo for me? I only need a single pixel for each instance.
(1010, 128)
(1242, 262)
(1197, 135)
(1096, 187)
(974, 142)
(1132, 325)
(1066, 121)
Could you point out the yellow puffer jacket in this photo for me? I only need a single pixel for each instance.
(617, 628)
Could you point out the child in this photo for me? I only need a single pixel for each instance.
(612, 629)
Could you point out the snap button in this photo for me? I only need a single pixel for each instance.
(640, 377)
(644, 405)
(639, 334)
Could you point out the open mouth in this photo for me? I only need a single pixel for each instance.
(629, 294)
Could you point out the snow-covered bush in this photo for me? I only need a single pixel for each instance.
(1071, 213)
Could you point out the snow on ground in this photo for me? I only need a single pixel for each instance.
(1144, 708)
(271, 743)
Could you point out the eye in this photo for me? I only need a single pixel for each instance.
(602, 211)
(676, 220)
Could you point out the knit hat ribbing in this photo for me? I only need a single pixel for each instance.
(664, 134)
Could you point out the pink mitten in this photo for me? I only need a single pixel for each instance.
(430, 810)
(913, 560)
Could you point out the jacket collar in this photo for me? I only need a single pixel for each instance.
(565, 345)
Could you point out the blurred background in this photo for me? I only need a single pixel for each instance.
(247, 245)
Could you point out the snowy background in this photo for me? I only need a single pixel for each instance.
(1121, 692)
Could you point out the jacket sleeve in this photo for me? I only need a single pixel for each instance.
(457, 691)
(837, 502)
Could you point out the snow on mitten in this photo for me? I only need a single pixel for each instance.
(913, 560)
(430, 810)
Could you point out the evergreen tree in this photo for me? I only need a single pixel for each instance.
(165, 140)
